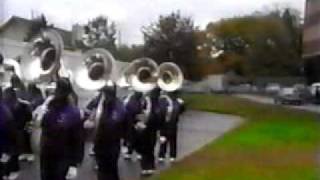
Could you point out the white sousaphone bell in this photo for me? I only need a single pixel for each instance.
(142, 74)
(170, 77)
(96, 69)
(46, 50)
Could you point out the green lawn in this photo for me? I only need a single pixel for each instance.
(273, 143)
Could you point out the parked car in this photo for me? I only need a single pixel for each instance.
(304, 92)
(288, 96)
(273, 88)
(240, 88)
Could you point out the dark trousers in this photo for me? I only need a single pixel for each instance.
(53, 167)
(170, 143)
(1, 170)
(131, 141)
(145, 147)
(12, 165)
(26, 143)
(108, 164)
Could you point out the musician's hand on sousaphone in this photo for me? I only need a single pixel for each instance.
(140, 125)
(89, 124)
(37, 118)
(162, 139)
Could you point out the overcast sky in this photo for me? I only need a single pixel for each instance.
(131, 15)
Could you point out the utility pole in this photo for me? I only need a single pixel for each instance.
(33, 14)
(119, 38)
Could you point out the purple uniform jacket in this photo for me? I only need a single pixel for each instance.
(8, 132)
(177, 109)
(133, 107)
(155, 118)
(61, 134)
(110, 127)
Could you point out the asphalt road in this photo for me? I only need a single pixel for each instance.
(196, 129)
(269, 100)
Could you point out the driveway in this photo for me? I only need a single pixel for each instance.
(196, 129)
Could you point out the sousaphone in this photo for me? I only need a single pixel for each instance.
(142, 74)
(46, 50)
(43, 68)
(170, 77)
(95, 70)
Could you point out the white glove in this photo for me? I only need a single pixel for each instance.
(180, 101)
(4, 158)
(89, 124)
(140, 126)
(72, 173)
(162, 139)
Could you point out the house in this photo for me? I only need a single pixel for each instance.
(12, 44)
(17, 28)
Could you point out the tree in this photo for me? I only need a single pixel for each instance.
(37, 24)
(99, 33)
(262, 44)
(171, 38)
(129, 53)
(292, 21)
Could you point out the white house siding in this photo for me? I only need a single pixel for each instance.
(17, 32)
(11, 49)
(213, 83)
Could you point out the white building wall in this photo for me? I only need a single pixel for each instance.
(213, 83)
(11, 49)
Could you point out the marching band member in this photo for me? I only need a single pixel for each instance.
(61, 136)
(147, 126)
(8, 138)
(133, 104)
(22, 115)
(22, 112)
(34, 96)
(111, 116)
(18, 86)
(172, 107)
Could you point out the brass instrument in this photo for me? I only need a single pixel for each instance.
(46, 50)
(170, 77)
(95, 70)
(142, 74)
(43, 68)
